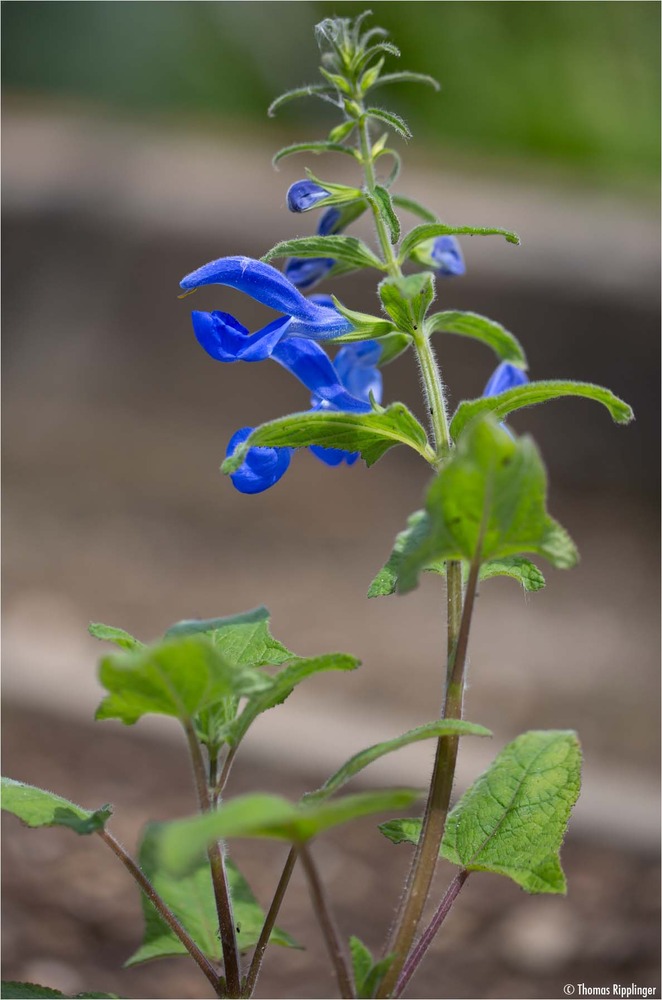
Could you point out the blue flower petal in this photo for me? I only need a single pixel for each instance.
(334, 456)
(505, 376)
(310, 364)
(225, 339)
(356, 365)
(329, 222)
(304, 195)
(304, 272)
(262, 467)
(447, 257)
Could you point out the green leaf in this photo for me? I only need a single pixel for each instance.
(368, 974)
(370, 76)
(312, 90)
(512, 821)
(347, 249)
(191, 899)
(179, 677)
(558, 547)
(487, 502)
(517, 567)
(340, 132)
(365, 326)
(468, 324)
(282, 685)
(538, 392)
(387, 212)
(31, 991)
(393, 121)
(375, 976)
(405, 76)
(371, 434)
(426, 232)
(393, 345)
(407, 300)
(109, 633)
(243, 639)
(440, 727)
(410, 205)
(269, 816)
(36, 807)
(313, 147)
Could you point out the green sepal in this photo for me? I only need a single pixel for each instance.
(269, 816)
(487, 502)
(368, 974)
(281, 687)
(430, 230)
(361, 760)
(370, 76)
(538, 392)
(178, 677)
(413, 206)
(405, 76)
(389, 118)
(10, 990)
(108, 633)
(191, 899)
(36, 807)
(331, 146)
(347, 249)
(469, 324)
(337, 81)
(365, 326)
(371, 434)
(340, 133)
(242, 639)
(312, 90)
(407, 300)
(517, 568)
(387, 212)
(388, 48)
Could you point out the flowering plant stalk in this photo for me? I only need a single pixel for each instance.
(484, 515)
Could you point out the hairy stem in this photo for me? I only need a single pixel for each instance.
(173, 923)
(269, 922)
(219, 878)
(434, 394)
(328, 925)
(427, 937)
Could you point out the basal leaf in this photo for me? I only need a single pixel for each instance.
(10, 990)
(191, 899)
(36, 807)
(282, 685)
(109, 633)
(371, 434)
(179, 677)
(243, 639)
(430, 230)
(440, 727)
(488, 502)
(347, 249)
(368, 974)
(537, 392)
(512, 821)
(269, 816)
(468, 324)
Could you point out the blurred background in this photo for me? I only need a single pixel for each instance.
(136, 147)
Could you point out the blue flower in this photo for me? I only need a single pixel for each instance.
(226, 339)
(304, 272)
(504, 377)
(446, 257)
(304, 195)
(262, 467)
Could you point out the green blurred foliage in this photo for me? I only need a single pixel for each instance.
(571, 83)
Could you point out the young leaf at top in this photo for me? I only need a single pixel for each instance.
(282, 685)
(313, 147)
(268, 816)
(361, 760)
(516, 567)
(468, 324)
(179, 677)
(243, 639)
(407, 300)
(487, 502)
(406, 76)
(346, 249)
(393, 121)
(37, 807)
(538, 392)
(191, 899)
(426, 232)
(371, 434)
(109, 633)
(10, 990)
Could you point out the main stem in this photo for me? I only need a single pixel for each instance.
(221, 891)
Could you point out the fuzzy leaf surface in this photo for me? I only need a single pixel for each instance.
(433, 229)
(36, 807)
(371, 434)
(108, 633)
(243, 639)
(11, 990)
(538, 392)
(468, 324)
(191, 899)
(347, 249)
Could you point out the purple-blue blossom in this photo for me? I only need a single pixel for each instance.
(446, 257)
(304, 272)
(505, 376)
(262, 467)
(304, 195)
